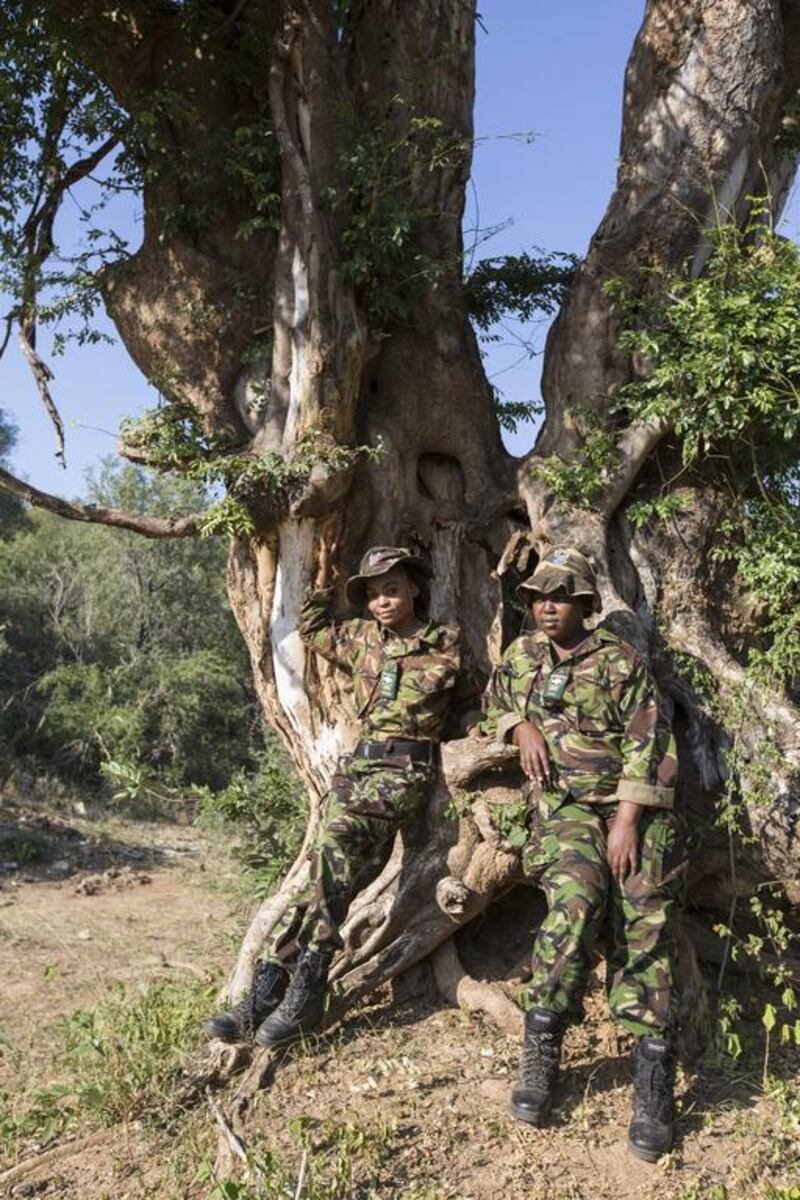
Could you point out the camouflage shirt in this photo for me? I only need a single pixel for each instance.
(423, 671)
(608, 736)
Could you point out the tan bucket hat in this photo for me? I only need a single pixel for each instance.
(564, 568)
(377, 561)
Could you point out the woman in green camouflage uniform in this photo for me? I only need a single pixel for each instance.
(584, 710)
(405, 670)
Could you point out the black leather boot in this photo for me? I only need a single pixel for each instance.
(303, 1007)
(532, 1098)
(266, 992)
(650, 1133)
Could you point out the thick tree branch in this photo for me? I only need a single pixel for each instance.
(73, 510)
(44, 377)
(706, 89)
(635, 446)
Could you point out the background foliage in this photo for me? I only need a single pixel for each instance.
(116, 648)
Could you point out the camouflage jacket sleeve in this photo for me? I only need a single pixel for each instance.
(504, 698)
(649, 758)
(320, 632)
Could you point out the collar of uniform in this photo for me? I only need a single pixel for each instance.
(594, 639)
(397, 645)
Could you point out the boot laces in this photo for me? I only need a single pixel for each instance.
(309, 976)
(249, 1009)
(539, 1061)
(653, 1087)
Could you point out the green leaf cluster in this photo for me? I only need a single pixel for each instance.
(581, 481)
(524, 284)
(718, 358)
(117, 647)
(267, 806)
(386, 166)
(173, 440)
(720, 352)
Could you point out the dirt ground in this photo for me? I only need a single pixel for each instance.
(406, 1100)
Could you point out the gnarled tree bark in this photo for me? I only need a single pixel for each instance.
(706, 86)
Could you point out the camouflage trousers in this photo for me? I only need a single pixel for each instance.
(368, 801)
(636, 916)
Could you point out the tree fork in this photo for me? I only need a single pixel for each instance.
(706, 87)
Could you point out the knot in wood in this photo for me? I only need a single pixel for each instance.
(453, 895)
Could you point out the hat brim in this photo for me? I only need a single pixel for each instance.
(356, 587)
(526, 591)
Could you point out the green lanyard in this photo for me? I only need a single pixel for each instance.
(556, 685)
(387, 688)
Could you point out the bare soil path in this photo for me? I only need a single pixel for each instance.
(406, 1100)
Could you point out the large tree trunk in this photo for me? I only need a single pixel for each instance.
(349, 364)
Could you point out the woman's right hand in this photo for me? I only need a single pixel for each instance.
(327, 550)
(533, 756)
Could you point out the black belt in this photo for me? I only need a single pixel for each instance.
(426, 752)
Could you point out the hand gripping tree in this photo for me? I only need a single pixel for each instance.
(300, 301)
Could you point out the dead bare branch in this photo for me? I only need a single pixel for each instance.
(44, 377)
(151, 527)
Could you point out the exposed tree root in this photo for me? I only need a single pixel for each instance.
(48, 1157)
(473, 995)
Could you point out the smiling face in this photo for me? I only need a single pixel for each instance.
(390, 600)
(561, 616)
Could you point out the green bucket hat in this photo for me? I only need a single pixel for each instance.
(564, 568)
(377, 561)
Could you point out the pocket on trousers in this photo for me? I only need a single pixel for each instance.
(661, 857)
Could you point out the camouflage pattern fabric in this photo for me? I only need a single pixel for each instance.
(427, 666)
(369, 800)
(564, 570)
(608, 736)
(584, 899)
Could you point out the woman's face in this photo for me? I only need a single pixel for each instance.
(390, 599)
(559, 615)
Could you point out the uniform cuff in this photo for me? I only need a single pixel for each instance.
(647, 794)
(506, 725)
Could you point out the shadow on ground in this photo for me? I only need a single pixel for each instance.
(42, 847)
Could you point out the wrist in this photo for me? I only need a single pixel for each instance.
(628, 813)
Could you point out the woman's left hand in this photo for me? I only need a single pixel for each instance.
(622, 850)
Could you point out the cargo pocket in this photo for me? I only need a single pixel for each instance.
(661, 858)
(540, 852)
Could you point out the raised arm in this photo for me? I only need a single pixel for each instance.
(317, 626)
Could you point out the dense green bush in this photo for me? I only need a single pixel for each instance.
(115, 647)
(268, 807)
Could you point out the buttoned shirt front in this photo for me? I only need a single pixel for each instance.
(422, 670)
(608, 735)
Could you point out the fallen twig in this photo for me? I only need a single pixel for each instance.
(235, 1144)
(301, 1178)
(47, 1157)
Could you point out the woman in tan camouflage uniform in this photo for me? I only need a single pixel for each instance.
(405, 670)
(584, 710)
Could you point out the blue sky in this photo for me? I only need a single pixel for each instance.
(551, 70)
